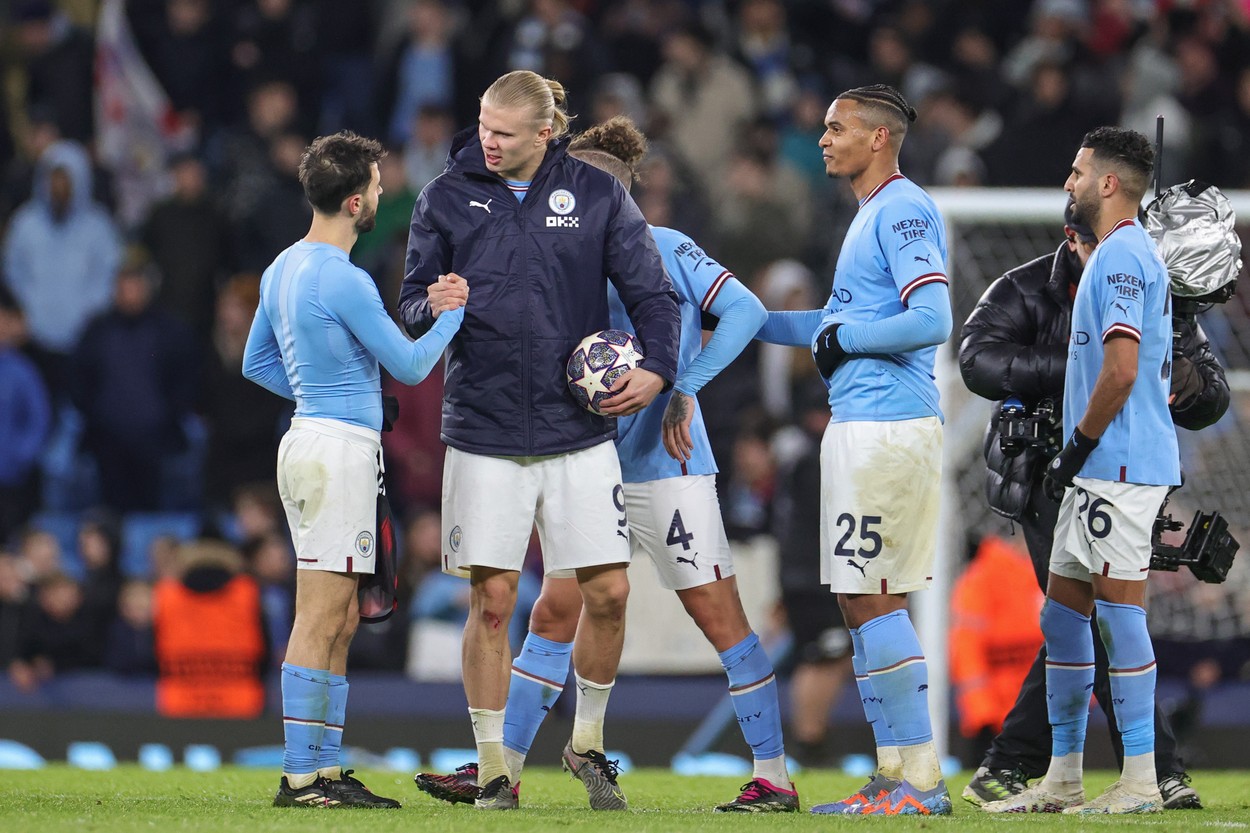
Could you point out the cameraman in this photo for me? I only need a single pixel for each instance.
(1015, 344)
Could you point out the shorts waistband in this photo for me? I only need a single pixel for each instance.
(340, 429)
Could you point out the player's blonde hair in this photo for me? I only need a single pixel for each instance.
(525, 90)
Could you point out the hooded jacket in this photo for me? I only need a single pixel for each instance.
(1015, 344)
(537, 272)
(61, 269)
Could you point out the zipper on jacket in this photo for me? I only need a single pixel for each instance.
(526, 364)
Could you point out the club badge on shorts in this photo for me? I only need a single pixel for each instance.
(364, 544)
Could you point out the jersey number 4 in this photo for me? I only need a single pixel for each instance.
(677, 533)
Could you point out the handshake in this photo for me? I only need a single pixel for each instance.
(450, 292)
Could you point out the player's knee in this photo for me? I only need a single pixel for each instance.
(492, 603)
(608, 598)
(555, 621)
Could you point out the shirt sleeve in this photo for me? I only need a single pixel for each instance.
(1119, 294)
(912, 241)
(356, 302)
(793, 328)
(429, 255)
(262, 358)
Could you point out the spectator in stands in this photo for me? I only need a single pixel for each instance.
(15, 607)
(18, 181)
(187, 46)
(135, 381)
(993, 638)
(99, 540)
(39, 555)
(240, 160)
(245, 422)
(762, 44)
(210, 637)
(257, 511)
(1032, 149)
(190, 243)
(58, 59)
(278, 39)
(131, 647)
(555, 40)
(702, 102)
(61, 635)
(423, 70)
(24, 420)
(820, 662)
(425, 147)
(785, 373)
(60, 258)
(748, 502)
(280, 212)
(271, 562)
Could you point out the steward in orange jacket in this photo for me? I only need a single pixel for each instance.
(995, 634)
(210, 640)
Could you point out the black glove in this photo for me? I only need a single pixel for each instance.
(390, 412)
(827, 352)
(1067, 464)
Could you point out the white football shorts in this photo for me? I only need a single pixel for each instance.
(880, 492)
(1104, 528)
(677, 522)
(328, 474)
(491, 504)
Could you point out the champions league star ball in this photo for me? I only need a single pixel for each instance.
(597, 363)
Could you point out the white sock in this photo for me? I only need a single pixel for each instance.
(592, 705)
(516, 762)
(920, 765)
(488, 733)
(297, 781)
(890, 762)
(773, 770)
(1065, 775)
(331, 773)
(1139, 771)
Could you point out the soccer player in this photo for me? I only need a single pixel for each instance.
(670, 498)
(540, 234)
(1113, 475)
(319, 333)
(1015, 343)
(874, 344)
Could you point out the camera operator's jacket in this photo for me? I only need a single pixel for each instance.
(1015, 342)
(537, 273)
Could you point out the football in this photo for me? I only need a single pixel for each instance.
(597, 363)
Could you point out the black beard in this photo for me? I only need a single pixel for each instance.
(366, 223)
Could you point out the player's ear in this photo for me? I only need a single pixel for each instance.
(353, 204)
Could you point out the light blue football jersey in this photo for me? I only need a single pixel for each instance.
(320, 330)
(1124, 291)
(895, 245)
(698, 280)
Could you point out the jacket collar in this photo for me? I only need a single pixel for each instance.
(466, 156)
(1065, 272)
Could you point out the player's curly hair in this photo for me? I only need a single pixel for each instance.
(336, 167)
(885, 105)
(544, 97)
(1128, 152)
(616, 146)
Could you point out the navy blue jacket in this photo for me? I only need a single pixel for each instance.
(537, 274)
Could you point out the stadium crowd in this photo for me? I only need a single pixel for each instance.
(125, 423)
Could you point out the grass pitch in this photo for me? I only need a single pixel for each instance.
(232, 799)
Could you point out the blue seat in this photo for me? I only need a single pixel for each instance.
(141, 529)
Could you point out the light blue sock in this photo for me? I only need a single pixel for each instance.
(899, 675)
(753, 691)
(1069, 676)
(1131, 666)
(305, 701)
(336, 714)
(867, 698)
(538, 676)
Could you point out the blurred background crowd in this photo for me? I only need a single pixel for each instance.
(125, 299)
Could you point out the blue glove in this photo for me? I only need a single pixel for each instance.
(1067, 464)
(827, 352)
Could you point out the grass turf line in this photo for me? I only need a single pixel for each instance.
(233, 799)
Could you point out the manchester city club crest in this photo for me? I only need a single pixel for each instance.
(364, 544)
(454, 539)
(562, 202)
